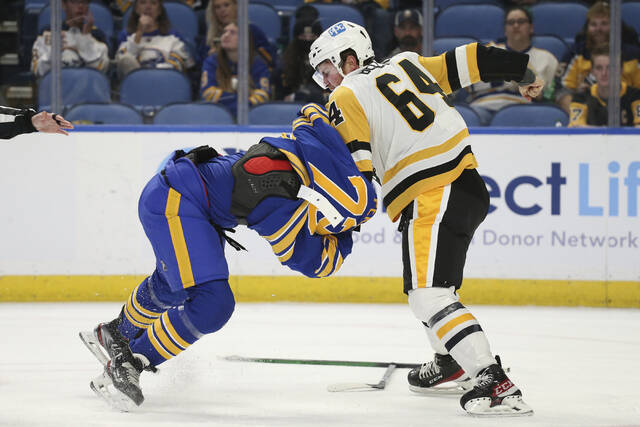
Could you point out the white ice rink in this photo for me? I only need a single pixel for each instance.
(576, 366)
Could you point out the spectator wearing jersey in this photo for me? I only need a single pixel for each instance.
(147, 41)
(407, 32)
(294, 80)
(83, 45)
(218, 15)
(590, 108)
(577, 75)
(219, 81)
(486, 98)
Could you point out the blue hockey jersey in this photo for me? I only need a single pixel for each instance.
(179, 205)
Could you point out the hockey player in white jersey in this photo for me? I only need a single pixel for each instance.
(396, 120)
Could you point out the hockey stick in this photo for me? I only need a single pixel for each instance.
(355, 363)
(364, 386)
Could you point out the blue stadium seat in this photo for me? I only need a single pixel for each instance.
(443, 4)
(103, 114)
(182, 18)
(154, 88)
(102, 19)
(562, 19)
(443, 44)
(78, 85)
(553, 44)
(330, 13)
(630, 12)
(469, 116)
(530, 115)
(484, 22)
(33, 6)
(193, 114)
(274, 113)
(266, 18)
(285, 6)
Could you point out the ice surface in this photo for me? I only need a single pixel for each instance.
(576, 366)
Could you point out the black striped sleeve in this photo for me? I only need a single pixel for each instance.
(497, 64)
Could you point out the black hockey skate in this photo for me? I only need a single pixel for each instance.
(121, 367)
(443, 375)
(494, 395)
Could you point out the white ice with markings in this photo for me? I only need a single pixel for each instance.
(576, 367)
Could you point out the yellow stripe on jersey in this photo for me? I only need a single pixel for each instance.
(437, 67)
(355, 126)
(291, 235)
(275, 236)
(395, 207)
(177, 238)
(472, 62)
(356, 207)
(425, 154)
(312, 112)
(453, 323)
(156, 344)
(298, 166)
(164, 338)
(364, 165)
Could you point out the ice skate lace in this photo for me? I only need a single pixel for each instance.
(428, 369)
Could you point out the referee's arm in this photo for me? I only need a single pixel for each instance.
(21, 124)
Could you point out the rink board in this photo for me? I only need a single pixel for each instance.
(563, 227)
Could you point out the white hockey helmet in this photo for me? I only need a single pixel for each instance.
(335, 40)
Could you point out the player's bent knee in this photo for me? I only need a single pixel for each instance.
(210, 306)
(426, 302)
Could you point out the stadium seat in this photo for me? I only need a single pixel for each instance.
(553, 44)
(330, 13)
(102, 19)
(562, 19)
(32, 6)
(484, 22)
(154, 88)
(469, 116)
(274, 113)
(440, 5)
(267, 19)
(193, 114)
(103, 114)
(285, 6)
(443, 44)
(630, 12)
(530, 115)
(79, 85)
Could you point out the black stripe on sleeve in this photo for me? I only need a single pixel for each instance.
(444, 313)
(356, 145)
(497, 64)
(452, 70)
(460, 336)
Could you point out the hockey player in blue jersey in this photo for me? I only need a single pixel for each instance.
(302, 192)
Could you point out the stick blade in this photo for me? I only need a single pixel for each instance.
(340, 387)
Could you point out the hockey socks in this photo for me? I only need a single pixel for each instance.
(207, 309)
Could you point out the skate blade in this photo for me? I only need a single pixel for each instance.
(512, 406)
(91, 341)
(446, 389)
(103, 387)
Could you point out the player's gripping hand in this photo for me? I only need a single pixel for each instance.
(533, 90)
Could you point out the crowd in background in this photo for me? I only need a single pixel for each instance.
(576, 82)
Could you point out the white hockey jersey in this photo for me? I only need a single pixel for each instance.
(157, 51)
(78, 50)
(396, 121)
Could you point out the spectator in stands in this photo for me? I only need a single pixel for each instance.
(577, 65)
(487, 98)
(221, 13)
(590, 108)
(147, 41)
(407, 32)
(219, 81)
(294, 80)
(83, 45)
